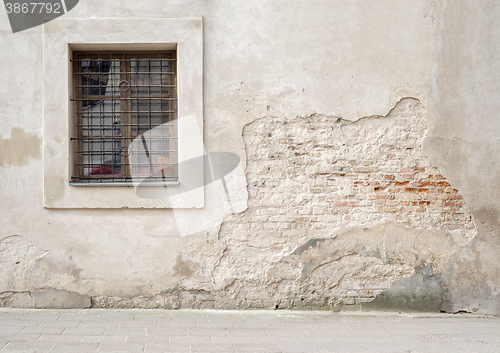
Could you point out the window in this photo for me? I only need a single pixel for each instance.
(78, 172)
(125, 107)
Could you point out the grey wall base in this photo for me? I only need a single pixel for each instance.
(50, 299)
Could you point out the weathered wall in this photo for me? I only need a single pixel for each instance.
(324, 80)
(464, 142)
(337, 212)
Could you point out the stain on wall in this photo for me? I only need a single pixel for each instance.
(19, 148)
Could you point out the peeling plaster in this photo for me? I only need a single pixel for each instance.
(19, 148)
(18, 258)
(339, 213)
(293, 249)
(25, 268)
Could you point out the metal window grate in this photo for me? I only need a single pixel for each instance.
(125, 118)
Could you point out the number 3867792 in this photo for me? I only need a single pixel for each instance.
(33, 7)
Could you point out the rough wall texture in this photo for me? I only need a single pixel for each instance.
(338, 211)
(347, 59)
(464, 142)
(314, 174)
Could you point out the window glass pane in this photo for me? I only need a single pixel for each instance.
(125, 107)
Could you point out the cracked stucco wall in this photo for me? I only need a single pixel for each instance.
(322, 78)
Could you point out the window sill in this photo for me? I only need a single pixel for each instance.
(166, 183)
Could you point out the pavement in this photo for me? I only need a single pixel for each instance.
(109, 330)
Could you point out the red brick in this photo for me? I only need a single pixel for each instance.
(364, 170)
(385, 197)
(407, 175)
(424, 184)
(388, 209)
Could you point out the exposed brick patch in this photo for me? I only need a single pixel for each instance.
(337, 212)
(320, 172)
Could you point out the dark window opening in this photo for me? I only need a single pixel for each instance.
(125, 106)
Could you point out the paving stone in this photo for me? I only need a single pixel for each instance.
(197, 347)
(191, 339)
(172, 331)
(18, 337)
(60, 338)
(233, 340)
(166, 347)
(182, 324)
(99, 324)
(4, 330)
(47, 330)
(147, 339)
(139, 323)
(75, 347)
(275, 340)
(107, 339)
(214, 324)
(125, 331)
(249, 332)
(254, 348)
(232, 318)
(84, 331)
(189, 317)
(121, 347)
(60, 323)
(286, 332)
(253, 324)
(40, 315)
(206, 332)
(82, 315)
(31, 346)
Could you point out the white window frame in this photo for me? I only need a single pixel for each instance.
(61, 37)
